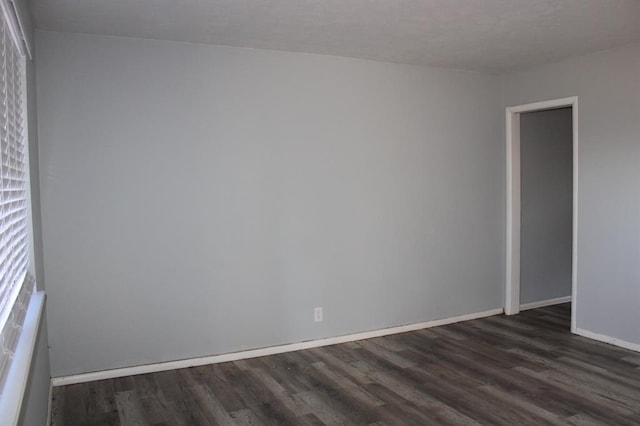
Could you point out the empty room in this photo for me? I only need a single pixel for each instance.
(368, 212)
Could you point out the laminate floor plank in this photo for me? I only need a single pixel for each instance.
(526, 369)
(130, 409)
(397, 410)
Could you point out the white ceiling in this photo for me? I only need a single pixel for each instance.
(481, 35)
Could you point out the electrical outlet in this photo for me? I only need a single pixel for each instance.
(317, 314)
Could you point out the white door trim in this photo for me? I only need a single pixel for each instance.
(512, 278)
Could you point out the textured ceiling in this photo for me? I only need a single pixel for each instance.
(480, 35)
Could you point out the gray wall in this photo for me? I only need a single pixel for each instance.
(546, 214)
(199, 200)
(608, 87)
(35, 405)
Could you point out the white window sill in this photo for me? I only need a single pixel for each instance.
(16, 384)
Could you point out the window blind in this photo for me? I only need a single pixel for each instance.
(14, 232)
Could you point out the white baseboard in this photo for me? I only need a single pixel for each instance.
(542, 303)
(272, 350)
(608, 339)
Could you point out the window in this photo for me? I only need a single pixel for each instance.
(15, 286)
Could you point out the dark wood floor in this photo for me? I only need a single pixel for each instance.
(525, 369)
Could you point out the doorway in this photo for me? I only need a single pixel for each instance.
(514, 202)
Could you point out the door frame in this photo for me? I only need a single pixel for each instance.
(512, 272)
